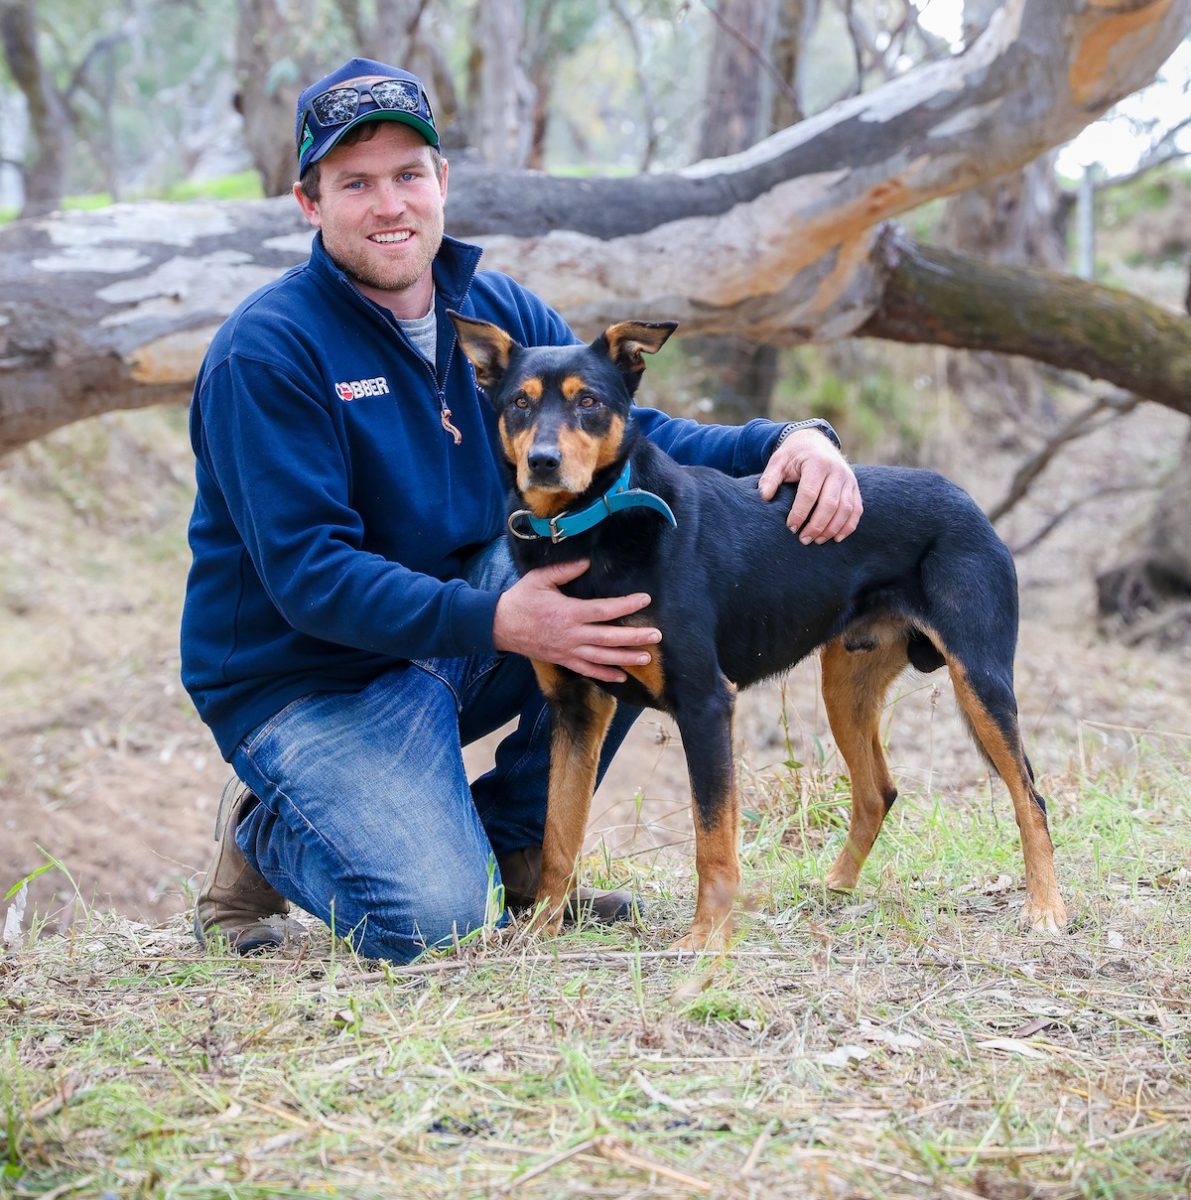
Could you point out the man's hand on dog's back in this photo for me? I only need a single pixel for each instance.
(536, 619)
(828, 506)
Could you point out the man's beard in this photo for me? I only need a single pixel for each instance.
(361, 270)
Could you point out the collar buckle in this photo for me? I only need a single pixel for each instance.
(529, 536)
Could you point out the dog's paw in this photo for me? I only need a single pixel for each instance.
(543, 924)
(1048, 917)
(840, 879)
(699, 941)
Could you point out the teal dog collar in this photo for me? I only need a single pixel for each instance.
(616, 499)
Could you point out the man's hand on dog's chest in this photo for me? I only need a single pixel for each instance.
(536, 619)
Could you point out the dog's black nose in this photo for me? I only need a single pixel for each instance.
(544, 460)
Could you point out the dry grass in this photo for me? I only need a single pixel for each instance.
(908, 1041)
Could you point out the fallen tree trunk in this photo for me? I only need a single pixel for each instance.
(113, 309)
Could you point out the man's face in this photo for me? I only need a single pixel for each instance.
(380, 209)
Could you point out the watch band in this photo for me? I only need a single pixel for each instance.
(824, 427)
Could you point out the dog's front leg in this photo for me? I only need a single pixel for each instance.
(706, 728)
(581, 714)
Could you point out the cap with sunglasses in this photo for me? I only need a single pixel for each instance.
(360, 90)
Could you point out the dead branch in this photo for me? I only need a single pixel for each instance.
(1118, 403)
(1067, 510)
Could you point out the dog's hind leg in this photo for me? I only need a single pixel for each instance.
(854, 687)
(705, 724)
(581, 715)
(985, 695)
(969, 589)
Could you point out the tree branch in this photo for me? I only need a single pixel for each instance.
(1159, 154)
(1079, 426)
(856, 36)
(949, 299)
(1174, 623)
(98, 48)
(1068, 509)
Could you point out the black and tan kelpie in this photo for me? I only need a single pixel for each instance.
(923, 581)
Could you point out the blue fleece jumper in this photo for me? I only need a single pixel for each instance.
(334, 510)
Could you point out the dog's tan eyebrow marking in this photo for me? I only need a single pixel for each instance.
(532, 386)
(572, 385)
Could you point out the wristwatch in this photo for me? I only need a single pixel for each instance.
(824, 427)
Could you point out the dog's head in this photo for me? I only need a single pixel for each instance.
(562, 410)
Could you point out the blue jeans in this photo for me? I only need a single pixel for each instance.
(365, 817)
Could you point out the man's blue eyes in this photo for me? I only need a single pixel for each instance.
(406, 177)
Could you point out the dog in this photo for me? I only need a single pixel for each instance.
(924, 580)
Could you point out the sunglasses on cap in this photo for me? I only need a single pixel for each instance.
(339, 105)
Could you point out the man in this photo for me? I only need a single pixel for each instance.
(352, 618)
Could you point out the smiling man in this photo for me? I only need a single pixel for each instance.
(379, 209)
(352, 618)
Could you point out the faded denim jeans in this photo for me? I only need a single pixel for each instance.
(365, 815)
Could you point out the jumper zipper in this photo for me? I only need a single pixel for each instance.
(440, 387)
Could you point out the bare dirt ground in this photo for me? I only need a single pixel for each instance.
(104, 766)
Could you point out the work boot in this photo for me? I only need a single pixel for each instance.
(234, 900)
(520, 871)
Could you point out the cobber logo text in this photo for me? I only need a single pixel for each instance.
(356, 388)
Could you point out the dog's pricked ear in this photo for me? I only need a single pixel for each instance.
(626, 342)
(487, 345)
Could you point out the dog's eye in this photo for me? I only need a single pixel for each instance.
(521, 401)
(587, 400)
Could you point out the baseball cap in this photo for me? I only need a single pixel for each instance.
(360, 90)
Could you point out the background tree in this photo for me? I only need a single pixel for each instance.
(129, 98)
(44, 173)
(282, 44)
(55, 112)
(555, 29)
(795, 22)
(275, 55)
(411, 33)
(1017, 218)
(734, 375)
(501, 100)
